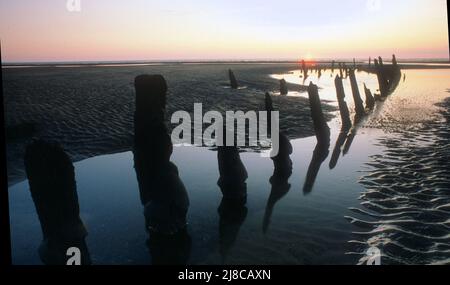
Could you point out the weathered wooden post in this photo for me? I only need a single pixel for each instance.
(359, 107)
(233, 82)
(381, 78)
(343, 109)
(370, 101)
(51, 178)
(320, 125)
(162, 191)
(283, 87)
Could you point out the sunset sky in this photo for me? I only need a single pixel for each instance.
(112, 30)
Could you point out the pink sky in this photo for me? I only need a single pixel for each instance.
(173, 30)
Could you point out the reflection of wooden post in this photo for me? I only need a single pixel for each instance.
(340, 94)
(283, 87)
(320, 125)
(233, 81)
(370, 101)
(359, 107)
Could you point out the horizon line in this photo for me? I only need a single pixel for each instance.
(268, 60)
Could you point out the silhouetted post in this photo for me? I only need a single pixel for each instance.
(341, 73)
(354, 63)
(396, 76)
(269, 108)
(370, 101)
(232, 183)
(162, 192)
(283, 87)
(320, 125)
(381, 78)
(332, 66)
(232, 174)
(394, 61)
(380, 61)
(233, 81)
(370, 62)
(359, 107)
(340, 94)
(150, 131)
(52, 183)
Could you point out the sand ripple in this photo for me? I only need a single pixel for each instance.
(89, 110)
(405, 209)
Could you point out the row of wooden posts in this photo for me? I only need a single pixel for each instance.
(388, 78)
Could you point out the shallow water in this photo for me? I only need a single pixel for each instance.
(326, 83)
(304, 228)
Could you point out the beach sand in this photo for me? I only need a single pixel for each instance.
(89, 109)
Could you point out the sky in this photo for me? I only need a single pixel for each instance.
(114, 30)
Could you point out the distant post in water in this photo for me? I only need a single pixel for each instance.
(283, 87)
(233, 81)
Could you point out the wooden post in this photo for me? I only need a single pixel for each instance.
(162, 191)
(283, 87)
(320, 125)
(343, 109)
(233, 81)
(359, 107)
(370, 101)
(51, 177)
(381, 78)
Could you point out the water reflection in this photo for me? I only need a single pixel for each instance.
(280, 178)
(338, 147)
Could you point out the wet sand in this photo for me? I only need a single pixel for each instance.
(89, 109)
